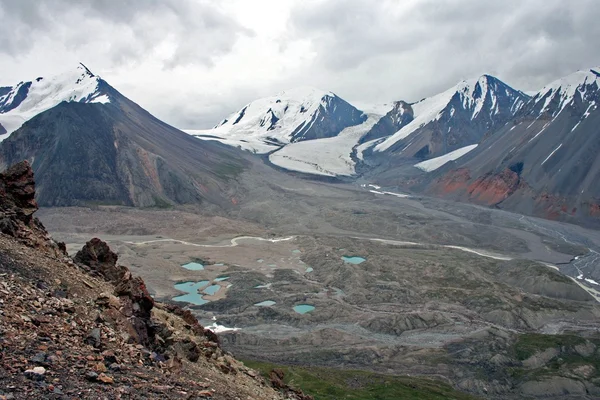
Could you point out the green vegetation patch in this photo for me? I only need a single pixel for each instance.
(564, 364)
(334, 384)
(530, 343)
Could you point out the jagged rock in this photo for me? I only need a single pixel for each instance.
(100, 259)
(36, 374)
(105, 379)
(93, 338)
(276, 376)
(135, 300)
(91, 376)
(18, 185)
(17, 205)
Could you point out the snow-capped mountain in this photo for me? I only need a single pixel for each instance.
(458, 117)
(25, 100)
(314, 131)
(87, 143)
(291, 116)
(545, 161)
(576, 90)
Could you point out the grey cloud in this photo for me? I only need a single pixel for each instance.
(126, 30)
(525, 43)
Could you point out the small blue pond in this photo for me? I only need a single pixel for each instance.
(192, 296)
(212, 289)
(260, 260)
(193, 266)
(266, 286)
(296, 251)
(309, 269)
(303, 308)
(267, 303)
(221, 278)
(353, 260)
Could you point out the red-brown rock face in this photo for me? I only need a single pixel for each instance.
(493, 189)
(454, 181)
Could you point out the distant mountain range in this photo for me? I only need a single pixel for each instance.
(89, 144)
(480, 141)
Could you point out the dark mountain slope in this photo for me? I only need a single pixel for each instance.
(546, 162)
(117, 153)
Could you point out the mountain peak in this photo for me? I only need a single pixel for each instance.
(23, 101)
(296, 114)
(562, 91)
(87, 70)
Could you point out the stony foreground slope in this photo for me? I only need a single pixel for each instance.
(86, 328)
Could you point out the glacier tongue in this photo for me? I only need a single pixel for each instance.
(329, 156)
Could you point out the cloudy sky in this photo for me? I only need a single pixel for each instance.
(192, 62)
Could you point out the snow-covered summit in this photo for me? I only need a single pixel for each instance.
(282, 112)
(583, 85)
(482, 101)
(25, 100)
(302, 113)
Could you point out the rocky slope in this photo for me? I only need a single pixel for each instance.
(545, 162)
(114, 152)
(86, 328)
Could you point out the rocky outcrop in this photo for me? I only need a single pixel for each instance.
(136, 303)
(17, 205)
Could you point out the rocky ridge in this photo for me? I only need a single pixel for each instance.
(86, 328)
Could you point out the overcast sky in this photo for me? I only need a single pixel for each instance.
(192, 62)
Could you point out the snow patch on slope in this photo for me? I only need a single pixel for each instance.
(253, 145)
(435, 163)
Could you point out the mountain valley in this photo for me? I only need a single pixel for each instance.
(449, 244)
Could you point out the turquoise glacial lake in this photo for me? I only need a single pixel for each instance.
(212, 289)
(266, 303)
(303, 308)
(193, 266)
(353, 260)
(192, 295)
